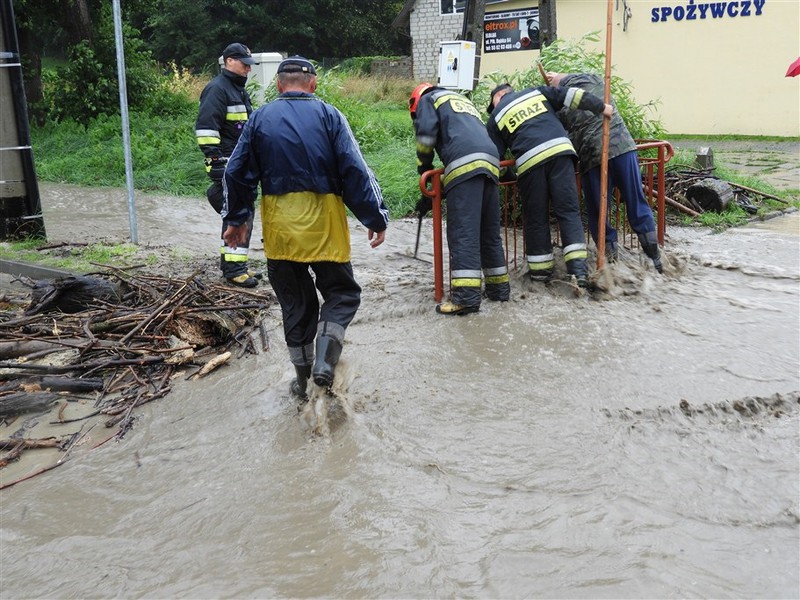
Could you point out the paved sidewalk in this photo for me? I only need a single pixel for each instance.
(776, 163)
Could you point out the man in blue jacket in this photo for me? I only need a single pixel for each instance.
(310, 167)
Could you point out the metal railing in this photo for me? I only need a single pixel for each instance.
(653, 180)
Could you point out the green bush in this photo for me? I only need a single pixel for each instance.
(572, 56)
(87, 85)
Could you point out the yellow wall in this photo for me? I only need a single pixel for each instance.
(711, 76)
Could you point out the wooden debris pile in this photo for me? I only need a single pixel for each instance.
(694, 190)
(116, 339)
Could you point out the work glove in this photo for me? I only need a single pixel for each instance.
(215, 167)
(508, 175)
(423, 206)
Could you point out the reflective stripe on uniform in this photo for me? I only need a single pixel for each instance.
(494, 279)
(471, 162)
(466, 282)
(466, 273)
(466, 278)
(237, 112)
(541, 262)
(573, 99)
(542, 152)
(207, 137)
(534, 95)
(574, 251)
(496, 275)
(234, 254)
(495, 271)
(442, 97)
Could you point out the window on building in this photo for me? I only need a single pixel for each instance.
(451, 7)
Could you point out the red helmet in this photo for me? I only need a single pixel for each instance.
(416, 95)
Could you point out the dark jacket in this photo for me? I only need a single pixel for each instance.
(526, 123)
(310, 166)
(450, 124)
(586, 129)
(224, 109)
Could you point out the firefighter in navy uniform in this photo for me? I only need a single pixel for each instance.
(526, 123)
(448, 123)
(224, 109)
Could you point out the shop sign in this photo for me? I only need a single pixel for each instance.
(694, 11)
(511, 30)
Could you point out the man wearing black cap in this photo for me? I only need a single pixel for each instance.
(224, 109)
(310, 167)
(525, 122)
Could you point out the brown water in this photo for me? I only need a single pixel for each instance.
(552, 446)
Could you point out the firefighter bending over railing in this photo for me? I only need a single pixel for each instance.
(448, 123)
(525, 123)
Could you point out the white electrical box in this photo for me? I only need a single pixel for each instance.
(457, 65)
(263, 72)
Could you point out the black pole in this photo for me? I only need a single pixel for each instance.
(547, 22)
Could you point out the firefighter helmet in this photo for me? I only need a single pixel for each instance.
(415, 96)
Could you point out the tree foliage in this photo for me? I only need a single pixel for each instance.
(87, 86)
(193, 34)
(576, 56)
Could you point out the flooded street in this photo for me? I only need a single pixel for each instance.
(643, 442)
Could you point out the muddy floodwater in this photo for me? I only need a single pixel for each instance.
(637, 443)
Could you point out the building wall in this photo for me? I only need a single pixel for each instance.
(722, 75)
(428, 28)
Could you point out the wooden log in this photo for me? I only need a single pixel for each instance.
(28, 382)
(710, 194)
(70, 294)
(681, 207)
(749, 189)
(23, 348)
(50, 442)
(20, 403)
(215, 362)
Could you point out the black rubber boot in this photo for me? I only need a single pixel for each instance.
(300, 383)
(612, 252)
(651, 249)
(577, 267)
(328, 351)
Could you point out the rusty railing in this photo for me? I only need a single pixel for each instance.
(653, 170)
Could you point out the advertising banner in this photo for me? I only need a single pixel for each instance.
(511, 30)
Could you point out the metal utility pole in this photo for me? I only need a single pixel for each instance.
(126, 130)
(601, 219)
(20, 205)
(547, 22)
(472, 31)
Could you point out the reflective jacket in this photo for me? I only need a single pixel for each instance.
(310, 167)
(450, 124)
(526, 123)
(586, 130)
(224, 109)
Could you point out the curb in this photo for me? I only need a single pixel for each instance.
(22, 269)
